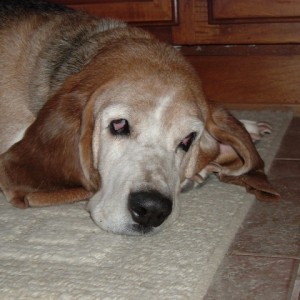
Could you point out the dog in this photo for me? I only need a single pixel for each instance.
(92, 109)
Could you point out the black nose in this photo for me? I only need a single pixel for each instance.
(150, 208)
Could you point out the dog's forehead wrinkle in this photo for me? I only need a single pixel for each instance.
(163, 104)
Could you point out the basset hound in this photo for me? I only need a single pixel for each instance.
(92, 109)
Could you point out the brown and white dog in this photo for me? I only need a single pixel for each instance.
(94, 109)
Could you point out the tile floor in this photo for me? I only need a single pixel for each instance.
(263, 262)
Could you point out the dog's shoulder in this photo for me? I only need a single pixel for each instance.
(63, 41)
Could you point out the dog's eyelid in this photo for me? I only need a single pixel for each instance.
(186, 143)
(119, 127)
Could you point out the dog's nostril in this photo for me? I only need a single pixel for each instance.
(139, 211)
(149, 208)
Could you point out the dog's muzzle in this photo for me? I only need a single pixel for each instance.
(149, 208)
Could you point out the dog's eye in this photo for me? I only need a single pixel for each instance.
(187, 142)
(119, 127)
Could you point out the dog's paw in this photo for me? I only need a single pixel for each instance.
(196, 181)
(257, 129)
(19, 202)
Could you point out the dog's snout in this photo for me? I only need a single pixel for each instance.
(149, 208)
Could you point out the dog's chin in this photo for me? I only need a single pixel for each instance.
(136, 229)
(132, 230)
(124, 225)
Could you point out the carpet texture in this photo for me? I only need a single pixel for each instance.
(58, 252)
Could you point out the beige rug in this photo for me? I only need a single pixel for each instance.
(58, 252)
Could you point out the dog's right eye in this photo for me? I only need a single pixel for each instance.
(187, 141)
(119, 127)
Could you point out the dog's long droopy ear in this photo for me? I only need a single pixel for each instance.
(245, 166)
(86, 144)
(52, 163)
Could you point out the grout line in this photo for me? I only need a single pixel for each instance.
(294, 290)
(239, 253)
(287, 159)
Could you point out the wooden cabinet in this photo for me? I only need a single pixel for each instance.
(247, 52)
(206, 21)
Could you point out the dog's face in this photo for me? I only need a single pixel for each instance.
(142, 140)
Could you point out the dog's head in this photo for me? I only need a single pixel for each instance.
(147, 121)
(131, 127)
(143, 134)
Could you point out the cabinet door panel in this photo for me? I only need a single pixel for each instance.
(139, 11)
(256, 11)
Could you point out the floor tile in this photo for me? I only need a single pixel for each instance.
(275, 236)
(294, 293)
(285, 169)
(273, 229)
(249, 278)
(270, 235)
(285, 177)
(290, 146)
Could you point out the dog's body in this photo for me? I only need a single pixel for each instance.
(91, 108)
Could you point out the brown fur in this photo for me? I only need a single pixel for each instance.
(57, 102)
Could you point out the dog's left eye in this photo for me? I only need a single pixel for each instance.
(119, 127)
(187, 142)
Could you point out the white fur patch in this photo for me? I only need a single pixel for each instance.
(147, 159)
